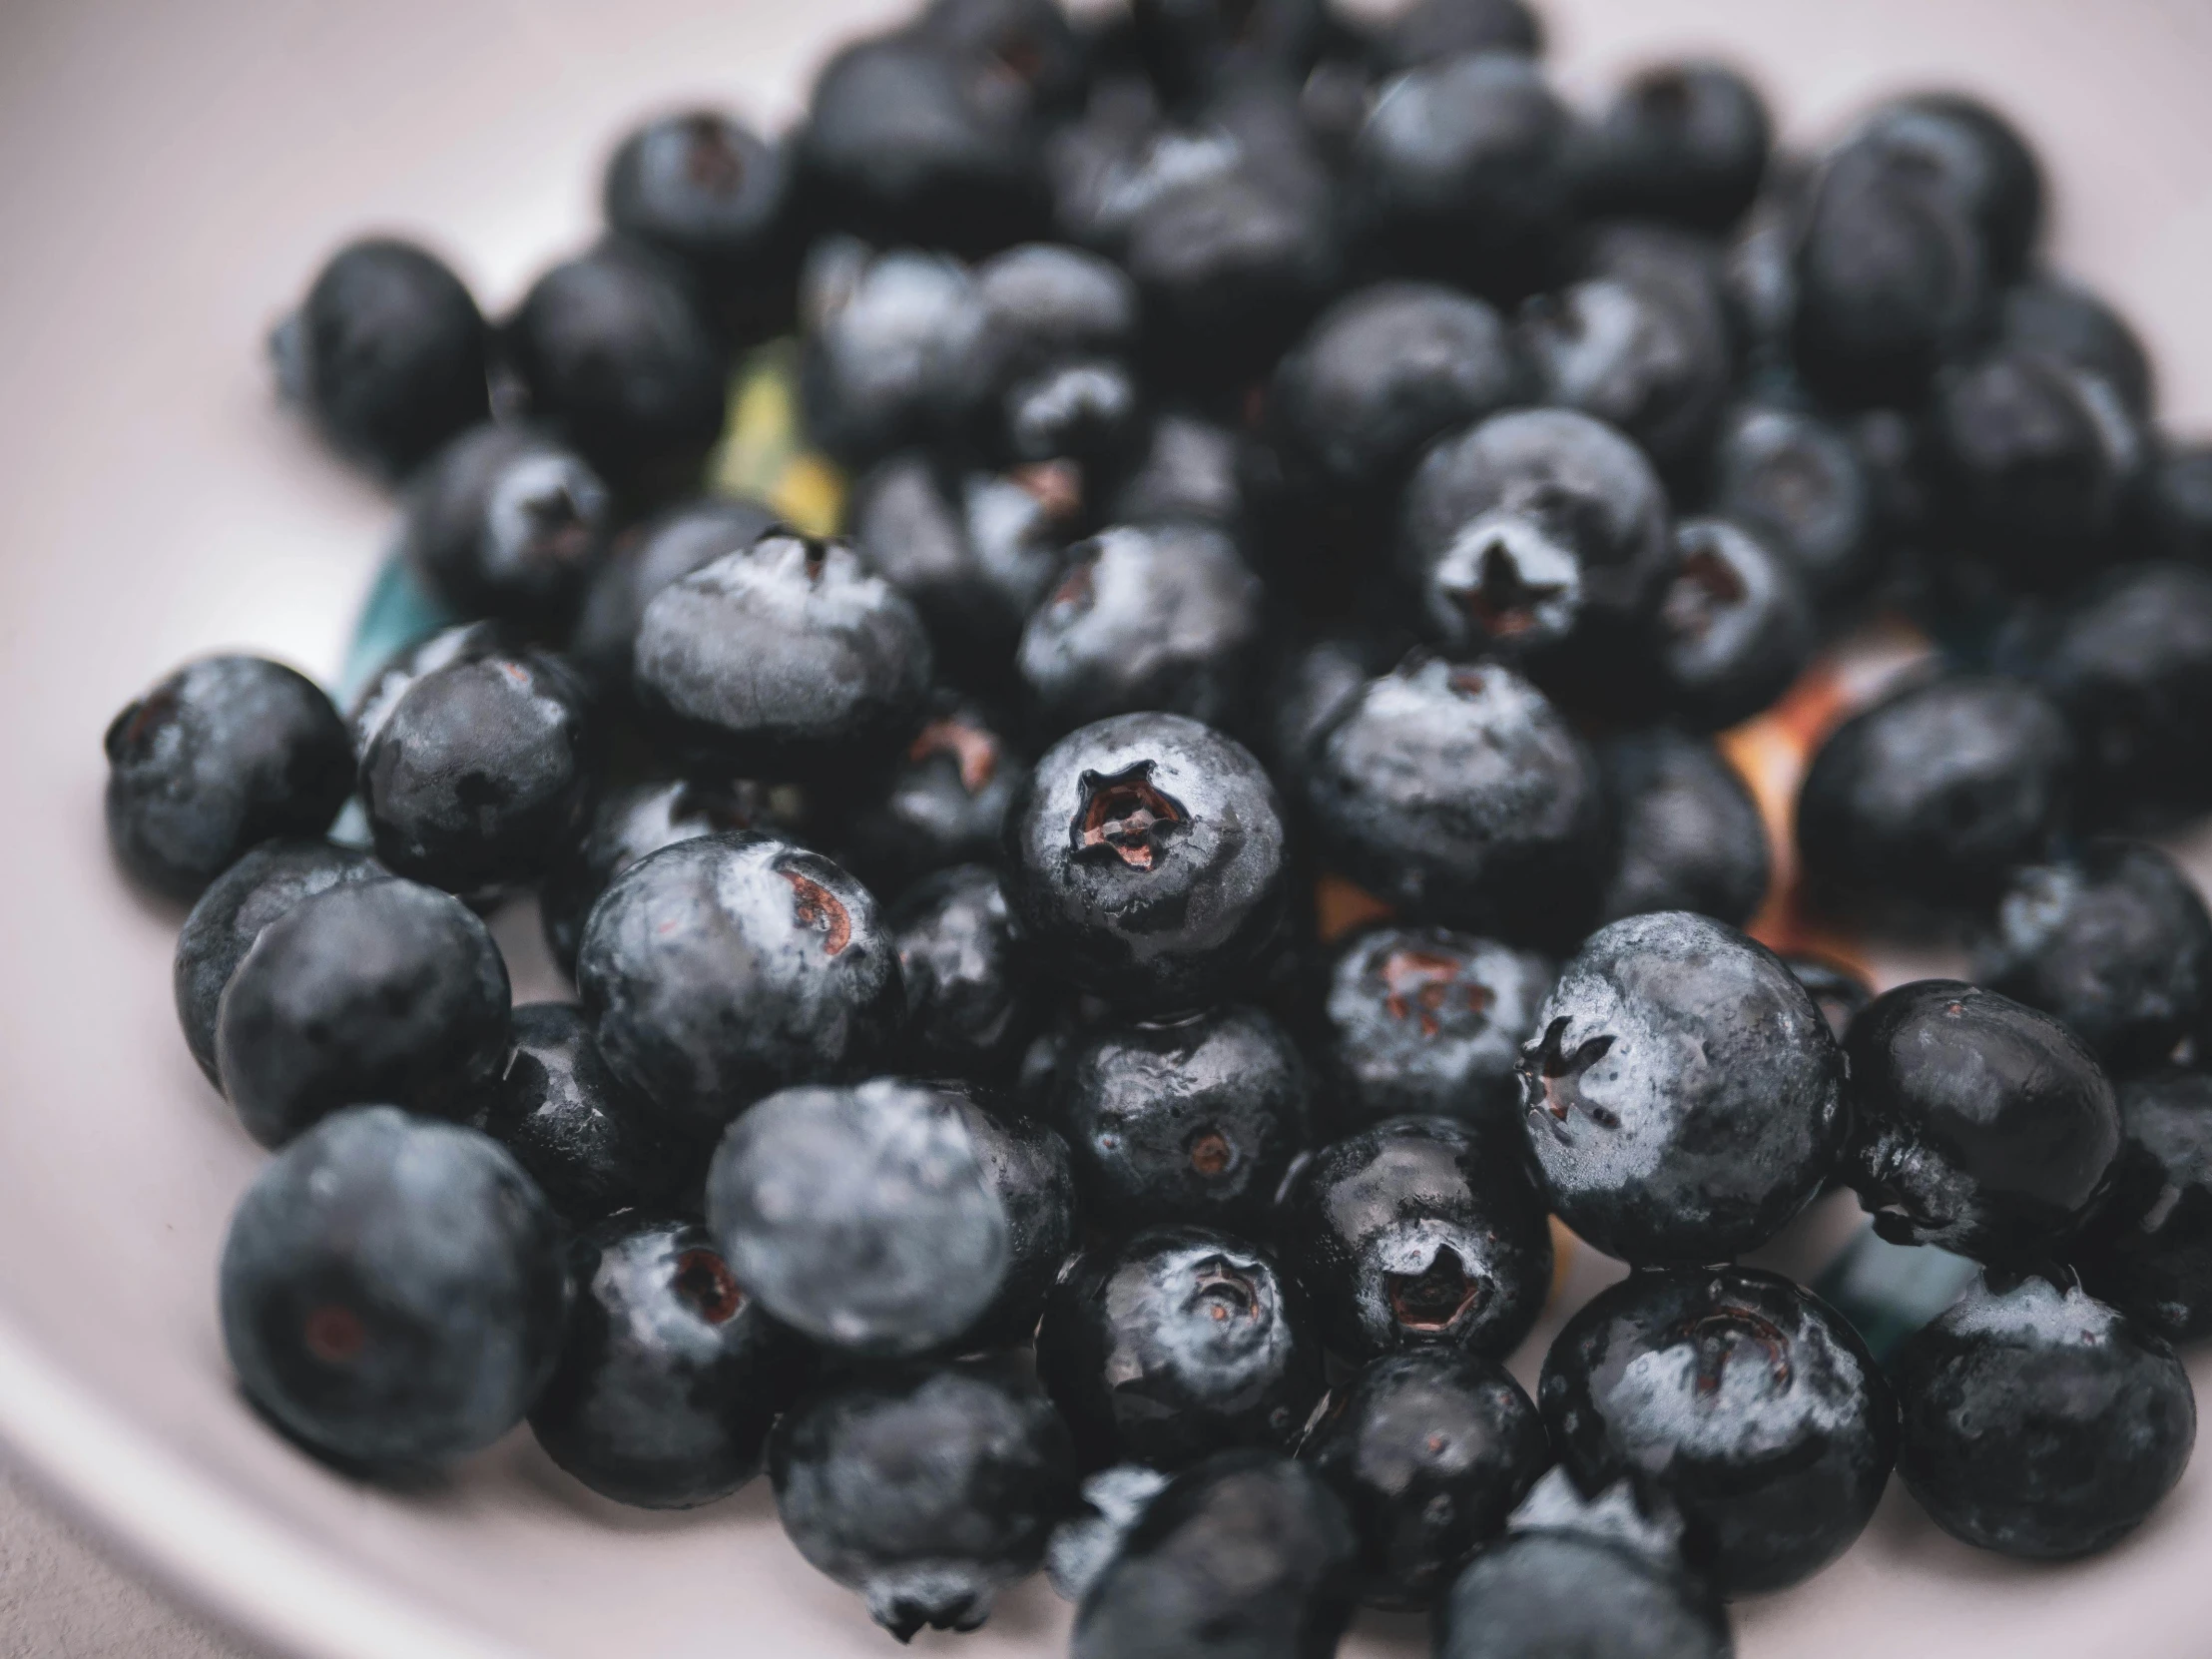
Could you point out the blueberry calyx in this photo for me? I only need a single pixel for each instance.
(1435, 1299)
(1423, 981)
(711, 160)
(1127, 815)
(1211, 1153)
(1055, 486)
(1224, 1291)
(814, 905)
(1704, 585)
(974, 751)
(704, 1280)
(1551, 1076)
(334, 1334)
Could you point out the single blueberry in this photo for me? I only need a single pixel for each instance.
(945, 803)
(1733, 629)
(639, 564)
(2049, 314)
(1685, 143)
(507, 522)
(971, 1002)
(2148, 1248)
(707, 191)
(1689, 834)
(1430, 30)
(1798, 483)
(883, 336)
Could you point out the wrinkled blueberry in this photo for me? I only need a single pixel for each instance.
(506, 522)
(1689, 834)
(393, 1290)
(224, 753)
(1733, 627)
(2148, 1248)
(971, 1005)
(1685, 143)
(643, 561)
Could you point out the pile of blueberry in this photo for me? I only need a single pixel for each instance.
(1289, 458)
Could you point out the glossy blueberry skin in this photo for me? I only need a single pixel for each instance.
(974, 553)
(1174, 1344)
(910, 138)
(945, 803)
(1639, 342)
(575, 1129)
(1430, 30)
(1425, 1022)
(1463, 170)
(634, 820)
(224, 753)
(384, 990)
(882, 334)
(1840, 992)
(2041, 1424)
(480, 773)
(670, 1377)
(1956, 146)
(706, 189)
(1733, 627)
(1419, 1232)
(1798, 483)
(1145, 862)
(1689, 835)
(1685, 1098)
(2148, 1249)
(394, 1291)
(1978, 1124)
(2049, 314)
(1535, 1592)
(729, 965)
(507, 522)
(387, 353)
(2131, 666)
(786, 660)
(1755, 1408)
(867, 1217)
(619, 361)
(927, 1488)
(1383, 373)
(1184, 1120)
(1185, 471)
(229, 916)
(1245, 1556)
(1533, 525)
(1923, 801)
(1430, 1451)
(2116, 942)
(1685, 143)
(639, 564)
(1459, 794)
(2039, 461)
(971, 1003)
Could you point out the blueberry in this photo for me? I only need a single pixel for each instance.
(507, 522)
(1753, 1406)
(1685, 143)
(670, 1377)
(869, 1217)
(1842, 993)
(1733, 627)
(1175, 1344)
(1145, 862)
(480, 772)
(1424, 1022)
(572, 1126)
(944, 804)
(2177, 504)
(1034, 39)
(1192, 1119)
(643, 561)
(1950, 143)
(618, 361)
(1029, 1167)
(1430, 1451)
(2041, 1424)
(1639, 340)
(1164, 617)
(729, 965)
(1923, 800)
(1533, 527)
(1799, 484)
(883, 334)
(1463, 796)
(1045, 372)
(1759, 279)
(1430, 30)
(973, 553)
(2049, 314)
(1576, 1576)
(1978, 1124)
(226, 753)
(911, 138)
(2131, 666)
(262, 886)
(1463, 170)
(1186, 472)
(1244, 1555)
(635, 820)
(1685, 1099)
(468, 642)
(704, 189)
(785, 659)
(1689, 832)
(383, 990)
(2116, 942)
(1419, 1232)
(1383, 371)
(386, 352)
(392, 1291)
(2040, 462)
(2148, 1249)
(1191, 46)
(971, 1004)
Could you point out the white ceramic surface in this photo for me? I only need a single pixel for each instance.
(172, 175)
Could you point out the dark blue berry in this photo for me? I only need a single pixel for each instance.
(884, 332)
(1690, 836)
(945, 803)
(1045, 371)
(375, 991)
(1733, 627)
(1750, 1403)
(1186, 471)
(394, 1291)
(1034, 39)
(1799, 484)
(971, 1002)
(707, 191)
(2177, 505)
(643, 561)
(466, 642)
(224, 753)
(506, 522)
(1685, 143)
(2148, 1248)
(2049, 314)
(1434, 29)
(1954, 144)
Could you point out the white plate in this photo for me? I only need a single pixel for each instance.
(172, 176)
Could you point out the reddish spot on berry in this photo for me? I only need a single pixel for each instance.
(814, 905)
(334, 1333)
